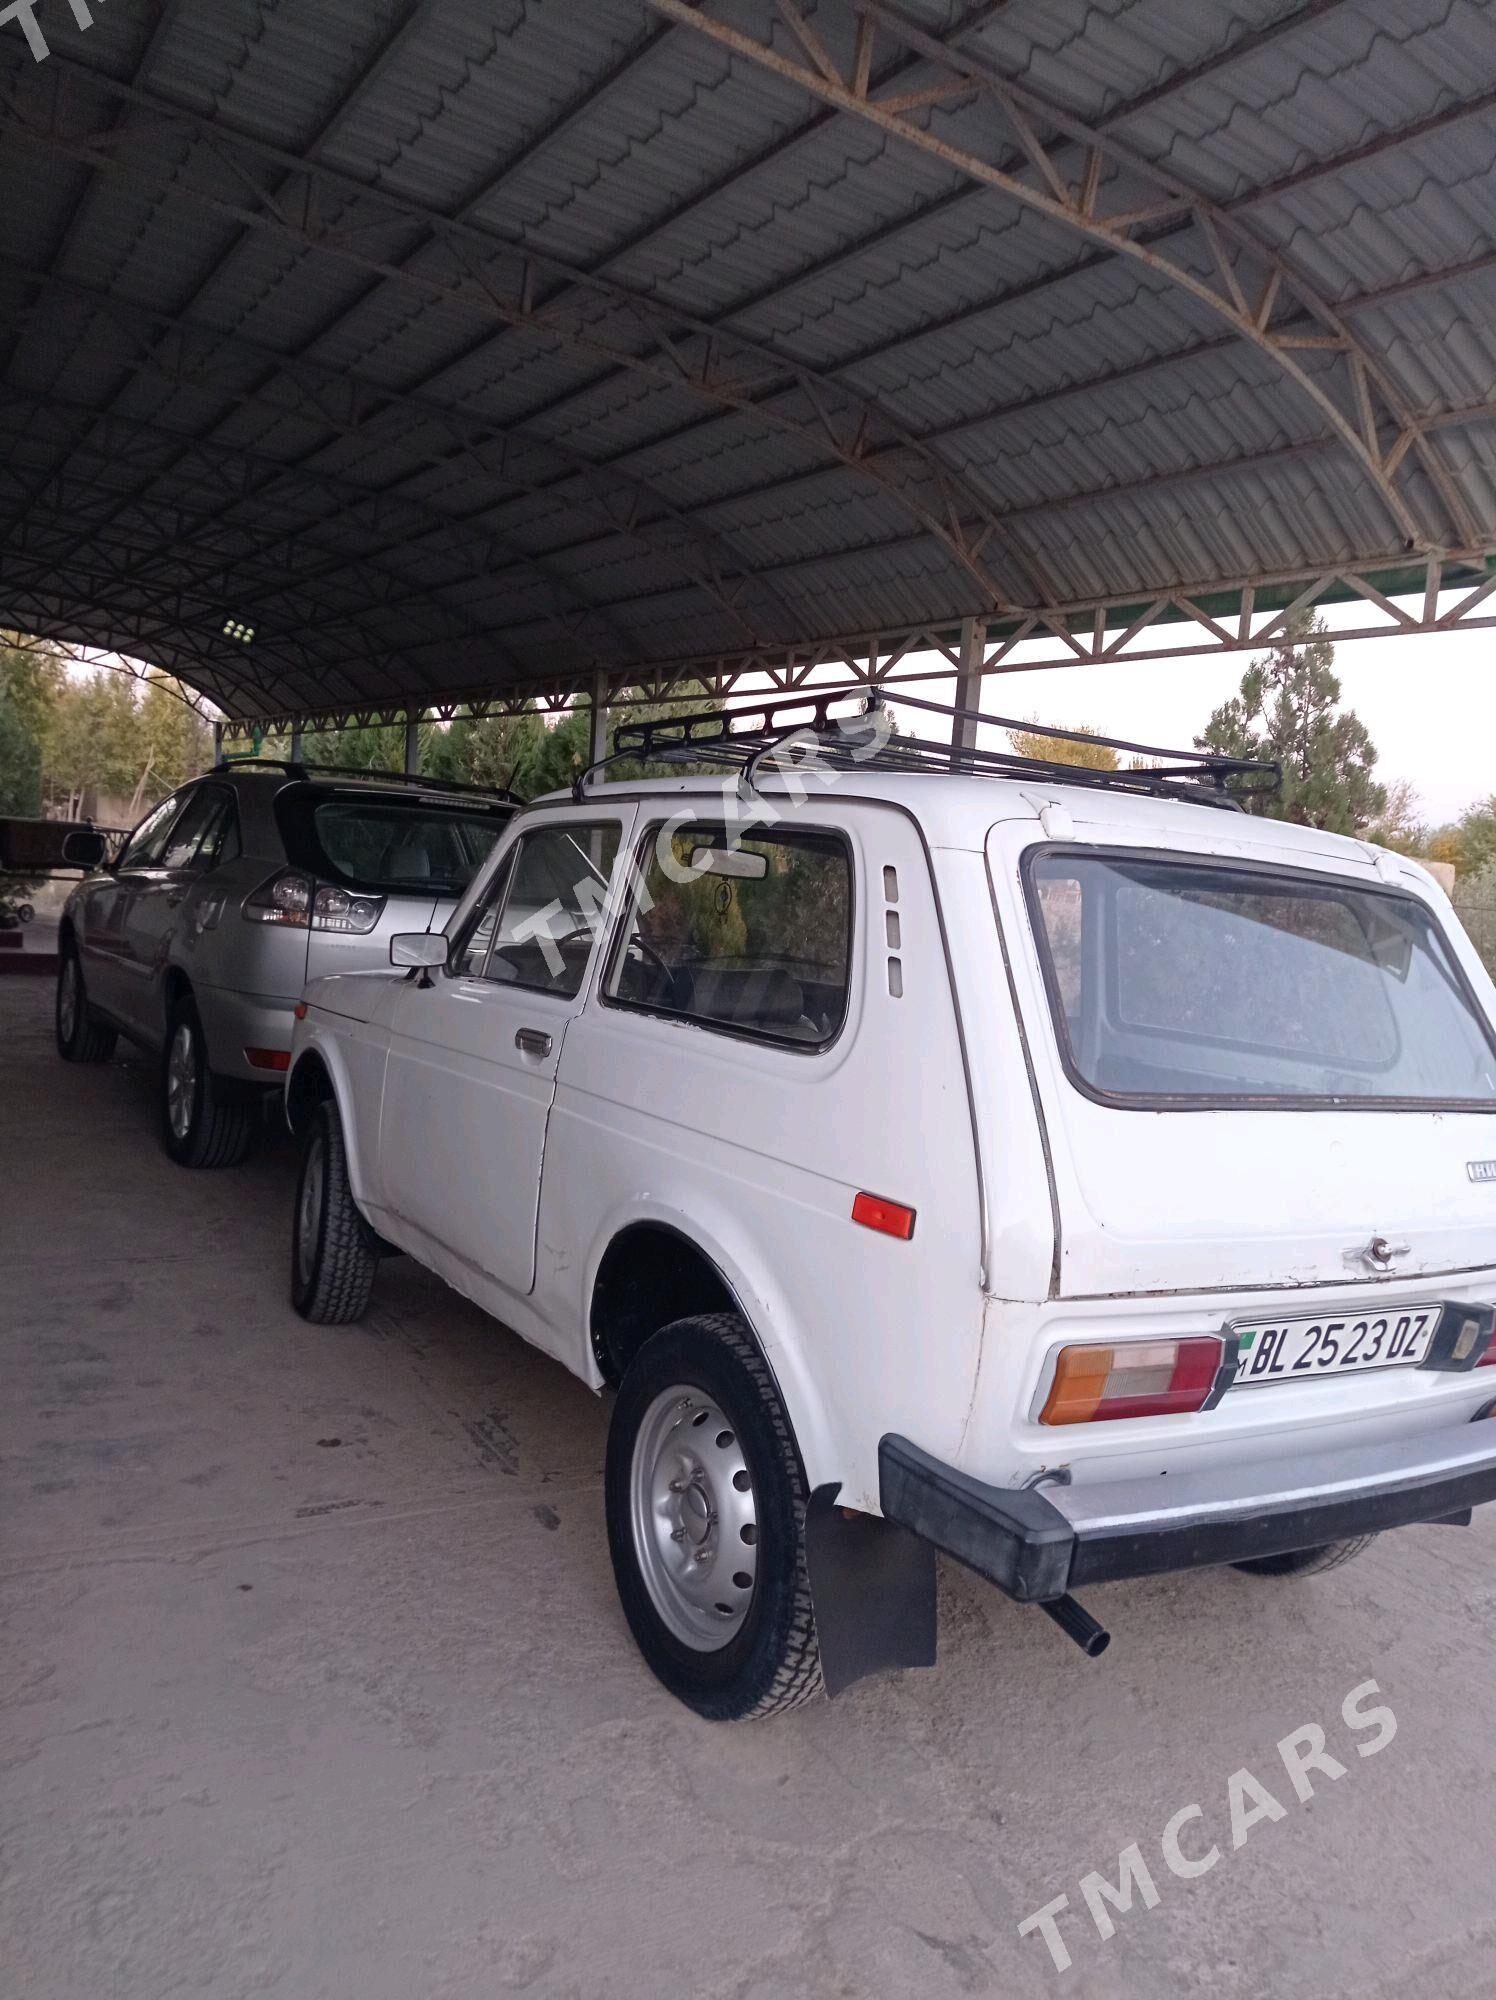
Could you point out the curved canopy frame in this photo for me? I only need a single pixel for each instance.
(762, 333)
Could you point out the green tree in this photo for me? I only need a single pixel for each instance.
(1475, 901)
(1471, 842)
(1063, 750)
(174, 744)
(20, 762)
(34, 678)
(1287, 711)
(1398, 825)
(94, 740)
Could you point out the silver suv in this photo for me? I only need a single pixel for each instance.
(227, 899)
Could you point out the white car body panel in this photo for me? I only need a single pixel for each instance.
(1043, 1216)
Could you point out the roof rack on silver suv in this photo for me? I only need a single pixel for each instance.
(295, 767)
(752, 736)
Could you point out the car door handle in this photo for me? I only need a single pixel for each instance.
(532, 1041)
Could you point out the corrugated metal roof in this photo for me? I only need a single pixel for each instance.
(776, 372)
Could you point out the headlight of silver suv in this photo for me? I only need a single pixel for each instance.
(295, 899)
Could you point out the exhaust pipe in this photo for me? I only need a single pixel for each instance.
(1077, 1623)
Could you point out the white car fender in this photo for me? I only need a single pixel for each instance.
(311, 1039)
(764, 1306)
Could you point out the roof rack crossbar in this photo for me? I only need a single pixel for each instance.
(749, 737)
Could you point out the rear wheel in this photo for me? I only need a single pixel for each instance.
(1307, 1562)
(81, 1037)
(334, 1252)
(706, 1523)
(206, 1121)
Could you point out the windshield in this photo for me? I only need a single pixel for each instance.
(1194, 983)
(415, 847)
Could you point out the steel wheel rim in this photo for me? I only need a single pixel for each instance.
(694, 1518)
(181, 1080)
(67, 998)
(309, 1209)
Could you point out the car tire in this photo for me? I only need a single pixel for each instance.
(206, 1120)
(1307, 1562)
(706, 1523)
(334, 1252)
(81, 1036)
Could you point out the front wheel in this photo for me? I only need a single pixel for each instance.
(334, 1252)
(1307, 1562)
(205, 1121)
(706, 1523)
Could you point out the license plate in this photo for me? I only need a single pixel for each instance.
(1295, 1350)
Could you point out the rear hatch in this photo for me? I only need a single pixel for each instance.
(1255, 1066)
(381, 862)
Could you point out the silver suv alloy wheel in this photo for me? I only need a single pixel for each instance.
(181, 1080)
(694, 1518)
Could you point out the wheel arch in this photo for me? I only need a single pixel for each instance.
(318, 1075)
(309, 1084)
(175, 988)
(652, 1259)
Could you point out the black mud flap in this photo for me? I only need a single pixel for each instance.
(873, 1587)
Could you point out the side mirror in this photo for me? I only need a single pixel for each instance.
(418, 951)
(84, 849)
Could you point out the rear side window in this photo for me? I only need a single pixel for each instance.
(395, 846)
(749, 934)
(1191, 982)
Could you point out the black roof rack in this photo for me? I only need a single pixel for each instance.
(295, 768)
(748, 737)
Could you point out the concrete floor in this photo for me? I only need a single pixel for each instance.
(315, 1683)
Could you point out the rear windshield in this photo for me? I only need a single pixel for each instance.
(1189, 983)
(417, 846)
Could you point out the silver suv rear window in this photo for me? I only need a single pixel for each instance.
(397, 846)
(1186, 983)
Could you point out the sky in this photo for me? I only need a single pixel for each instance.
(1428, 700)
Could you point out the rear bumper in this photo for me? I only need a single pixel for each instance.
(1039, 1543)
(234, 1021)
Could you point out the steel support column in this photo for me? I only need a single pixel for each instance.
(597, 744)
(968, 687)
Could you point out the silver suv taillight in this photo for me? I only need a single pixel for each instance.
(295, 899)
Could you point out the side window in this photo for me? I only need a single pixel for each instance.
(750, 934)
(143, 848)
(543, 918)
(470, 959)
(194, 840)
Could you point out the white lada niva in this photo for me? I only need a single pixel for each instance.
(1059, 1169)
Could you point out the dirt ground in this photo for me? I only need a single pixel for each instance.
(315, 1683)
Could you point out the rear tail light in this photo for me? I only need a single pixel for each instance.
(285, 899)
(337, 910)
(1138, 1378)
(293, 898)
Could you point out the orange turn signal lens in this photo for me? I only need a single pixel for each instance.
(889, 1218)
(299, 1010)
(1138, 1378)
